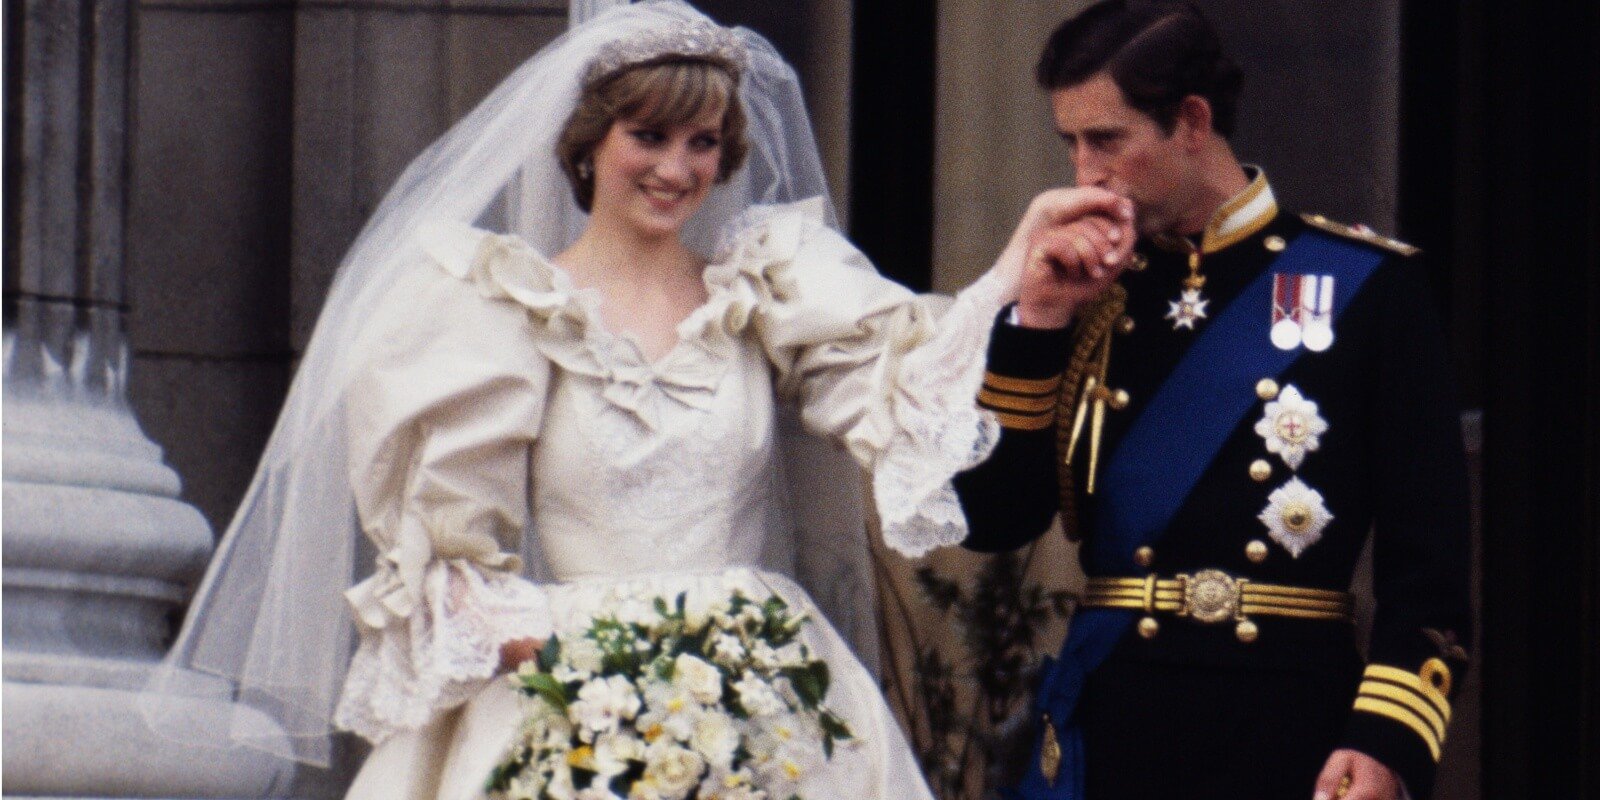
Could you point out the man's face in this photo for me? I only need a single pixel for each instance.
(1117, 147)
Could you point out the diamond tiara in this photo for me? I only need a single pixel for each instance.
(691, 40)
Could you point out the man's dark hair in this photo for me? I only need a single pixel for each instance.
(1157, 52)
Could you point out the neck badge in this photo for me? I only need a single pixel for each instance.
(1190, 307)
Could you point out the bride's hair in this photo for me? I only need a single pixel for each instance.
(659, 94)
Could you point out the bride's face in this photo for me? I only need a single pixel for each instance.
(652, 178)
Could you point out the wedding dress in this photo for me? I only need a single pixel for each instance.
(497, 394)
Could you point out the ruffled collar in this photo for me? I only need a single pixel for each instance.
(748, 272)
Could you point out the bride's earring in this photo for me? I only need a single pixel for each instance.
(585, 170)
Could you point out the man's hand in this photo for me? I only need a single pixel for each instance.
(1074, 243)
(516, 651)
(1368, 778)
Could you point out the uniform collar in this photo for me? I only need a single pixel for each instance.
(1243, 215)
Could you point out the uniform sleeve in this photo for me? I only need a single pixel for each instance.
(891, 375)
(1010, 499)
(440, 421)
(1421, 545)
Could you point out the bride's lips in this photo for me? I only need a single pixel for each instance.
(664, 199)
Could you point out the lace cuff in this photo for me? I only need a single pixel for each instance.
(940, 428)
(442, 653)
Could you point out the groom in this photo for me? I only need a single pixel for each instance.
(1222, 420)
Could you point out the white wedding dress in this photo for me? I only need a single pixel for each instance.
(497, 404)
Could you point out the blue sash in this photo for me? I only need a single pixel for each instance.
(1159, 461)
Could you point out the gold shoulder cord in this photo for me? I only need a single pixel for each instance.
(1083, 397)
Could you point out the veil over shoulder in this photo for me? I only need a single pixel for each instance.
(270, 618)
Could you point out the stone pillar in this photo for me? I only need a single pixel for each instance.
(99, 553)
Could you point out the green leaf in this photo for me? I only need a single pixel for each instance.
(548, 688)
(819, 669)
(806, 684)
(834, 727)
(550, 654)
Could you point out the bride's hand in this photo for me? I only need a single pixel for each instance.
(516, 651)
(1069, 245)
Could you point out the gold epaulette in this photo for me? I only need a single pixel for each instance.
(1086, 369)
(1359, 234)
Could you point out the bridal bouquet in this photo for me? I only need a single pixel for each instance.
(707, 700)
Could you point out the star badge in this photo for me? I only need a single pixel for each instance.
(1295, 516)
(1188, 309)
(1291, 426)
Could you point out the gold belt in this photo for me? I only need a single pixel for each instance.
(1212, 596)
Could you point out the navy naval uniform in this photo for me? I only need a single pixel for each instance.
(1217, 657)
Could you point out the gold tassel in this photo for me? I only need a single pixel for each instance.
(1050, 753)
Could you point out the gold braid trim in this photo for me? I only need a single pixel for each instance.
(1091, 350)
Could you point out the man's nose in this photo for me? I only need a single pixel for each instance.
(1089, 170)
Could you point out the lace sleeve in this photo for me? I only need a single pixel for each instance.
(441, 419)
(940, 430)
(871, 364)
(442, 653)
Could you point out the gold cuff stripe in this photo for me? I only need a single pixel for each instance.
(1395, 694)
(996, 401)
(1040, 386)
(1024, 423)
(1412, 681)
(1403, 715)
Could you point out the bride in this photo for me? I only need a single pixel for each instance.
(547, 381)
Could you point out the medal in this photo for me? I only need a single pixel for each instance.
(1190, 307)
(1319, 326)
(1285, 331)
(1295, 516)
(1302, 311)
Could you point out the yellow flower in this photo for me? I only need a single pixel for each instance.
(582, 758)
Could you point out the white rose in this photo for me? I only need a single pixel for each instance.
(716, 739)
(613, 751)
(671, 707)
(645, 790)
(702, 680)
(560, 786)
(757, 697)
(673, 770)
(727, 649)
(638, 611)
(731, 785)
(763, 656)
(603, 704)
(525, 786)
(582, 653)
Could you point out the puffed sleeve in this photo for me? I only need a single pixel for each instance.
(441, 417)
(889, 374)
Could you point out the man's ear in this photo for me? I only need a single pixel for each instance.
(1193, 122)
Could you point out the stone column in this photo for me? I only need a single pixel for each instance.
(99, 552)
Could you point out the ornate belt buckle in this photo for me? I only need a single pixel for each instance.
(1211, 596)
